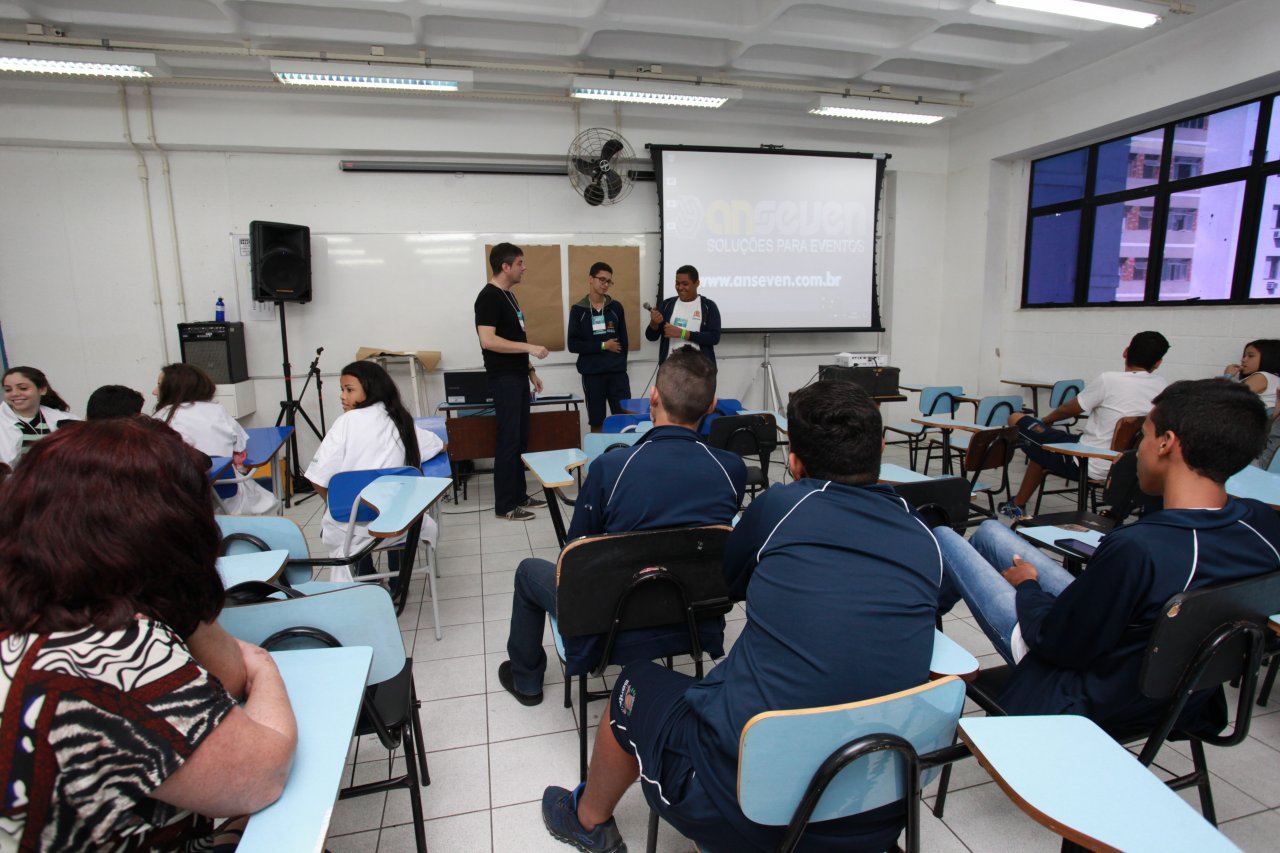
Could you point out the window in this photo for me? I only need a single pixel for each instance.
(1170, 201)
(1182, 219)
(1220, 141)
(1176, 269)
(1186, 166)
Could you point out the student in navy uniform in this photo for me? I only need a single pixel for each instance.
(500, 326)
(598, 334)
(1077, 644)
(669, 478)
(685, 319)
(841, 582)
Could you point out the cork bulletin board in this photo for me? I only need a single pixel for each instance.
(539, 295)
(625, 261)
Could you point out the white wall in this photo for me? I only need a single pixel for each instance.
(77, 295)
(1226, 57)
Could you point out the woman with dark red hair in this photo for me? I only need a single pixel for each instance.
(120, 689)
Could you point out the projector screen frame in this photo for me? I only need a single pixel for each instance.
(656, 150)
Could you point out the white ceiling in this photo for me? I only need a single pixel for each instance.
(780, 51)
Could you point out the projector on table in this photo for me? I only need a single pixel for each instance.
(861, 359)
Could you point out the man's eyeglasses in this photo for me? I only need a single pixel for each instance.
(607, 282)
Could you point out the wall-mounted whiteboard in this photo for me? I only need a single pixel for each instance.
(410, 291)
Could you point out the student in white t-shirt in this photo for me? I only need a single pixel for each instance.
(374, 431)
(1106, 399)
(685, 319)
(184, 401)
(30, 411)
(1259, 369)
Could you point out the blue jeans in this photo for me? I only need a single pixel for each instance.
(972, 569)
(534, 597)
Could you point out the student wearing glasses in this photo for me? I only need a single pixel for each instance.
(598, 334)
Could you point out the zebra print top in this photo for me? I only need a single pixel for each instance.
(90, 723)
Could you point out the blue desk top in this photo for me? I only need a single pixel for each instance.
(251, 566)
(1253, 482)
(1047, 535)
(951, 658)
(264, 443)
(219, 467)
(636, 406)
(400, 500)
(325, 687)
(944, 422)
(1075, 448)
(552, 467)
(594, 443)
(890, 473)
(434, 424)
(1065, 772)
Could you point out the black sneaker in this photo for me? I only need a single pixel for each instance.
(532, 503)
(516, 514)
(560, 814)
(508, 683)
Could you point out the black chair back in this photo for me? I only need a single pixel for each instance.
(1190, 619)
(943, 502)
(746, 435)
(602, 582)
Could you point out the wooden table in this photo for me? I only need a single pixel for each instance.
(1253, 482)
(325, 688)
(1035, 385)
(554, 470)
(252, 566)
(1070, 776)
(1083, 452)
(475, 436)
(946, 424)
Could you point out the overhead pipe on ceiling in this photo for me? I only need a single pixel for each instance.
(173, 213)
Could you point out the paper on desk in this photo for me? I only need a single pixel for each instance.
(427, 358)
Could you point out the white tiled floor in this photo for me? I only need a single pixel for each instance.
(490, 757)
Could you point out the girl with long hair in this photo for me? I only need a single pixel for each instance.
(30, 411)
(375, 430)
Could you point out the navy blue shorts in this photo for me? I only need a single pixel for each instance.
(1033, 432)
(651, 720)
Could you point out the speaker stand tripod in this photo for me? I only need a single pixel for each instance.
(290, 409)
(770, 398)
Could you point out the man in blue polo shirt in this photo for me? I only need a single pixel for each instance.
(1076, 644)
(841, 582)
(669, 478)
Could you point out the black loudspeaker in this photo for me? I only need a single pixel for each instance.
(280, 261)
(876, 381)
(215, 348)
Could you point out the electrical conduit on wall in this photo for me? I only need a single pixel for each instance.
(145, 180)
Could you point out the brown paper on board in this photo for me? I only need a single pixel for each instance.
(427, 358)
(625, 261)
(540, 296)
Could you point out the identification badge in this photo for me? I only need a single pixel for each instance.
(681, 322)
(597, 324)
(520, 317)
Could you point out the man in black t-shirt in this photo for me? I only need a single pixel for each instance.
(500, 326)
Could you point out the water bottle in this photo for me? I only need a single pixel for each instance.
(219, 311)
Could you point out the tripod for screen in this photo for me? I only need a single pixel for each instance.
(290, 409)
(770, 398)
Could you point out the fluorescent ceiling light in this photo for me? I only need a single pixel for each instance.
(39, 59)
(1088, 11)
(652, 92)
(354, 75)
(878, 109)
